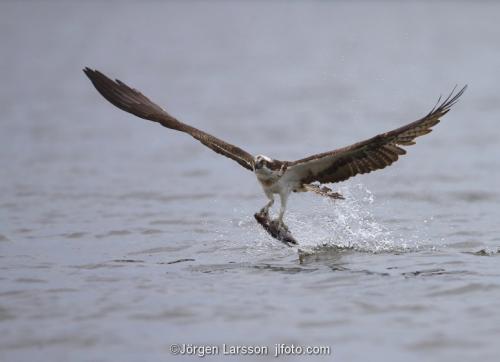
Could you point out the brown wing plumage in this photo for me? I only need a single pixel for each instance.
(132, 101)
(373, 154)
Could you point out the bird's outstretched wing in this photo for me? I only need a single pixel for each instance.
(132, 101)
(373, 154)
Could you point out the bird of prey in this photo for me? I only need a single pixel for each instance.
(284, 177)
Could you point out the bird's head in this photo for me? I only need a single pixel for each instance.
(261, 161)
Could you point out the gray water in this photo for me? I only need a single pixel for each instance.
(119, 238)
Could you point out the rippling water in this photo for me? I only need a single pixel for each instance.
(119, 238)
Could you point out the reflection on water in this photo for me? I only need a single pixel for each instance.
(119, 238)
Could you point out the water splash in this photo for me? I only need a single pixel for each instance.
(348, 223)
(351, 223)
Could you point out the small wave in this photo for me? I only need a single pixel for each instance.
(114, 233)
(484, 252)
(74, 235)
(465, 289)
(161, 197)
(474, 196)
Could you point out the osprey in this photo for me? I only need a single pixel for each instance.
(283, 177)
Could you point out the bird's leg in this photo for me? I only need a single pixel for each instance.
(265, 209)
(283, 199)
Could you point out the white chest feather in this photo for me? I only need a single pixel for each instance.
(272, 181)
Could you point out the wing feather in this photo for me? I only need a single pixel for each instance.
(133, 101)
(373, 154)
